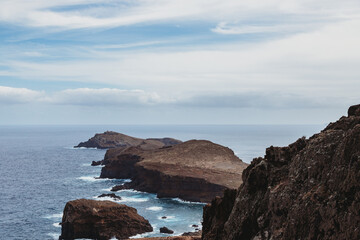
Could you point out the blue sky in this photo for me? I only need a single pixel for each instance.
(178, 62)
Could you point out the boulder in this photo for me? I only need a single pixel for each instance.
(101, 220)
(166, 230)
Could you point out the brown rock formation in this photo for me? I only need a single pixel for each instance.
(308, 190)
(111, 139)
(166, 230)
(101, 220)
(195, 170)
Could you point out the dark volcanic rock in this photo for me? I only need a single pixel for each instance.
(308, 190)
(111, 139)
(166, 230)
(112, 195)
(101, 220)
(96, 163)
(195, 170)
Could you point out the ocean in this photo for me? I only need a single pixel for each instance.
(40, 171)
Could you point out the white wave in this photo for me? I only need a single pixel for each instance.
(130, 199)
(154, 208)
(57, 225)
(130, 190)
(113, 238)
(106, 189)
(54, 235)
(142, 235)
(91, 178)
(86, 165)
(187, 202)
(106, 199)
(56, 215)
(81, 148)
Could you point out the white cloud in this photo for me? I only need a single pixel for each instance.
(9, 95)
(226, 28)
(105, 96)
(81, 96)
(127, 99)
(110, 13)
(320, 63)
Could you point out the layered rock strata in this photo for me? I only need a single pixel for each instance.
(195, 170)
(101, 220)
(308, 190)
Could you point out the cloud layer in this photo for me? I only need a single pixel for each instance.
(179, 56)
(72, 14)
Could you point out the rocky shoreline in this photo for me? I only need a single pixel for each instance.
(307, 190)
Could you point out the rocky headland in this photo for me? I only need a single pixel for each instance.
(196, 170)
(101, 220)
(307, 190)
(110, 139)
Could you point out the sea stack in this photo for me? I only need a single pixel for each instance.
(307, 190)
(101, 220)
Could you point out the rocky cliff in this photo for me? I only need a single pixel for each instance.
(111, 139)
(195, 170)
(308, 190)
(101, 220)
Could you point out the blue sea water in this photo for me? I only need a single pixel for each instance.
(40, 171)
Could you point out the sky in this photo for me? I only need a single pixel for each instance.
(178, 62)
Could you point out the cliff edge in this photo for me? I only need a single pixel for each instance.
(308, 190)
(196, 170)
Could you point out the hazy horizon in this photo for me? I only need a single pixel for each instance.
(106, 62)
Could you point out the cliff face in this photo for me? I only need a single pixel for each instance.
(101, 220)
(111, 139)
(195, 170)
(308, 190)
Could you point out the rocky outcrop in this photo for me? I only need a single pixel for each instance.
(111, 139)
(308, 190)
(195, 170)
(101, 220)
(110, 195)
(166, 230)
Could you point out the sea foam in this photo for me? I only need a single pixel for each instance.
(56, 215)
(57, 225)
(130, 199)
(154, 208)
(91, 178)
